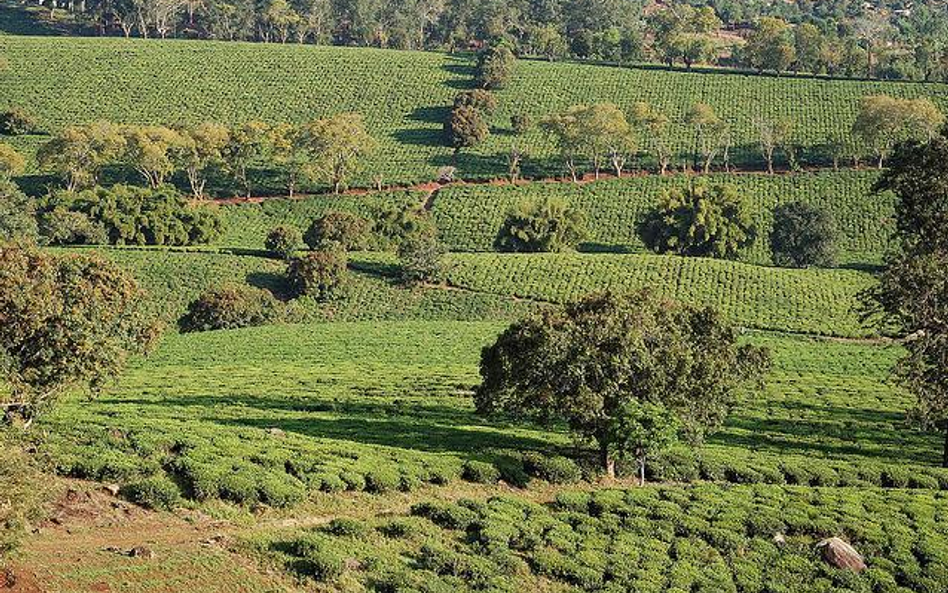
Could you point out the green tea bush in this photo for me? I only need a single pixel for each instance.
(229, 307)
(284, 241)
(154, 492)
(446, 515)
(480, 472)
(382, 479)
(555, 469)
(317, 558)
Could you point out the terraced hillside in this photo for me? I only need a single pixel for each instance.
(402, 95)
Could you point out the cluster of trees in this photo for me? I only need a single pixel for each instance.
(326, 151)
(602, 135)
(842, 37)
(120, 215)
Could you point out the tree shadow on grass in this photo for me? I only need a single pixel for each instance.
(419, 137)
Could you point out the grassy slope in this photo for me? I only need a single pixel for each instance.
(401, 94)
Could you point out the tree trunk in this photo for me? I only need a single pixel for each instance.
(641, 457)
(608, 463)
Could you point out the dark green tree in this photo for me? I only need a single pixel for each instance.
(912, 293)
(803, 235)
(337, 228)
(284, 241)
(229, 307)
(465, 128)
(629, 372)
(319, 274)
(495, 67)
(421, 257)
(699, 220)
(543, 225)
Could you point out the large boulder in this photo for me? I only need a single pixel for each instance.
(840, 554)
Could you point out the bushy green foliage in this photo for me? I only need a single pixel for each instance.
(60, 226)
(465, 127)
(701, 221)
(803, 236)
(478, 99)
(16, 121)
(542, 226)
(284, 241)
(12, 163)
(338, 229)
(319, 274)
(229, 307)
(421, 258)
(17, 214)
(66, 322)
(155, 492)
(628, 350)
(480, 472)
(495, 67)
(140, 216)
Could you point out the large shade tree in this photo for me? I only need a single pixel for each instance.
(913, 290)
(66, 322)
(630, 372)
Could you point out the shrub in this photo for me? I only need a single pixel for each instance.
(395, 225)
(320, 274)
(700, 221)
(446, 515)
(547, 225)
(521, 123)
(229, 307)
(16, 121)
(803, 236)
(421, 256)
(11, 162)
(17, 214)
(337, 229)
(318, 559)
(284, 241)
(480, 472)
(398, 529)
(556, 470)
(381, 479)
(479, 99)
(141, 216)
(154, 492)
(65, 227)
(346, 527)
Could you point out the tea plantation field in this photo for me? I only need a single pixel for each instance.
(469, 216)
(270, 414)
(703, 539)
(402, 95)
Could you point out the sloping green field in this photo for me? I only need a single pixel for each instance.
(402, 95)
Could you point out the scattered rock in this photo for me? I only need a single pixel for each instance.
(136, 552)
(779, 539)
(276, 432)
(112, 489)
(141, 552)
(840, 554)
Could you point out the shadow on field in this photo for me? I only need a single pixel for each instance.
(404, 423)
(419, 137)
(830, 431)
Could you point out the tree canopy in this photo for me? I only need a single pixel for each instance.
(630, 372)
